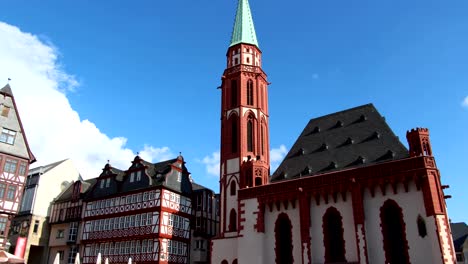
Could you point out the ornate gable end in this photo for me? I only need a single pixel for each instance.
(107, 183)
(136, 177)
(12, 137)
(178, 178)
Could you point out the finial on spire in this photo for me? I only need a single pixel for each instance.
(244, 30)
(9, 79)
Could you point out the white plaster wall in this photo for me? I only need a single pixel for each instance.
(50, 185)
(269, 237)
(420, 249)
(346, 210)
(224, 249)
(251, 242)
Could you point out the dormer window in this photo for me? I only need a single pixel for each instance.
(102, 184)
(107, 182)
(136, 175)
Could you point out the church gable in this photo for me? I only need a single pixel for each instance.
(352, 138)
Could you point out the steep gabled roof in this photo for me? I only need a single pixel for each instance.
(352, 138)
(45, 168)
(244, 30)
(7, 92)
(459, 235)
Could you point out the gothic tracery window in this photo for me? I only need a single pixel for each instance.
(250, 134)
(233, 93)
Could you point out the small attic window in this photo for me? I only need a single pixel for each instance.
(375, 135)
(307, 171)
(349, 141)
(323, 147)
(361, 160)
(338, 124)
(362, 118)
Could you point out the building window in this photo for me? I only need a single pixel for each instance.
(262, 139)
(10, 166)
(199, 245)
(233, 93)
(421, 227)
(102, 184)
(60, 233)
(107, 182)
(5, 111)
(333, 236)
(36, 226)
(250, 135)
(283, 239)
(7, 136)
(249, 92)
(3, 223)
(2, 190)
(233, 221)
(72, 254)
(394, 234)
(61, 253)
(233, 188)
(234, 133)
(22, 169)
(73, 231)
(11, 193)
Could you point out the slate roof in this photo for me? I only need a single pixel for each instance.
(348, 139)
(6, 90)
(459, 235)
(67, 194)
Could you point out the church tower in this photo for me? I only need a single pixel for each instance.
(245, 157)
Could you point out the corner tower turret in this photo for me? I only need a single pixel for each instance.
(245, 158)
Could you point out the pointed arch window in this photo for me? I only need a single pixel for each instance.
(283, 240)
(233, 93)
(232, 221)
(250, 134)
(234, 134)
(233, 188)
(262, 139)
(421, 227)
(333, 236)
(249, 92)
(394, 234)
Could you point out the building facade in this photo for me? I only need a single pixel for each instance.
(143, 213)
(30, 228)
(205, 223)
(15, 158)
(66, 222)
(348, 191)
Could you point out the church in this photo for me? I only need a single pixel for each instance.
(348, 191)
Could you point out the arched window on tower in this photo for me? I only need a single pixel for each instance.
(262, 138)
(233, 93)
(421, 227)
(233, 221)
(233, 187)
(234, 134)
(249, 92)
(250, 142)
(224, 262)
(394, 234)
(333, 236)
(283, 240)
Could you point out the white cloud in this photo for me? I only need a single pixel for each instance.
(276, 156)
(465, 102)
(53, 128)
(212, 163)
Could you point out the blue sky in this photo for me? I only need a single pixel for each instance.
(143, 74)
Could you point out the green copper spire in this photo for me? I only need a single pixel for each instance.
(244, 30)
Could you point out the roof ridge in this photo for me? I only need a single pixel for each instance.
(343, 111)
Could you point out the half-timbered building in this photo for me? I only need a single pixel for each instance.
(15, 157)
(66, 223)
(348, 191)
(143, 213)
